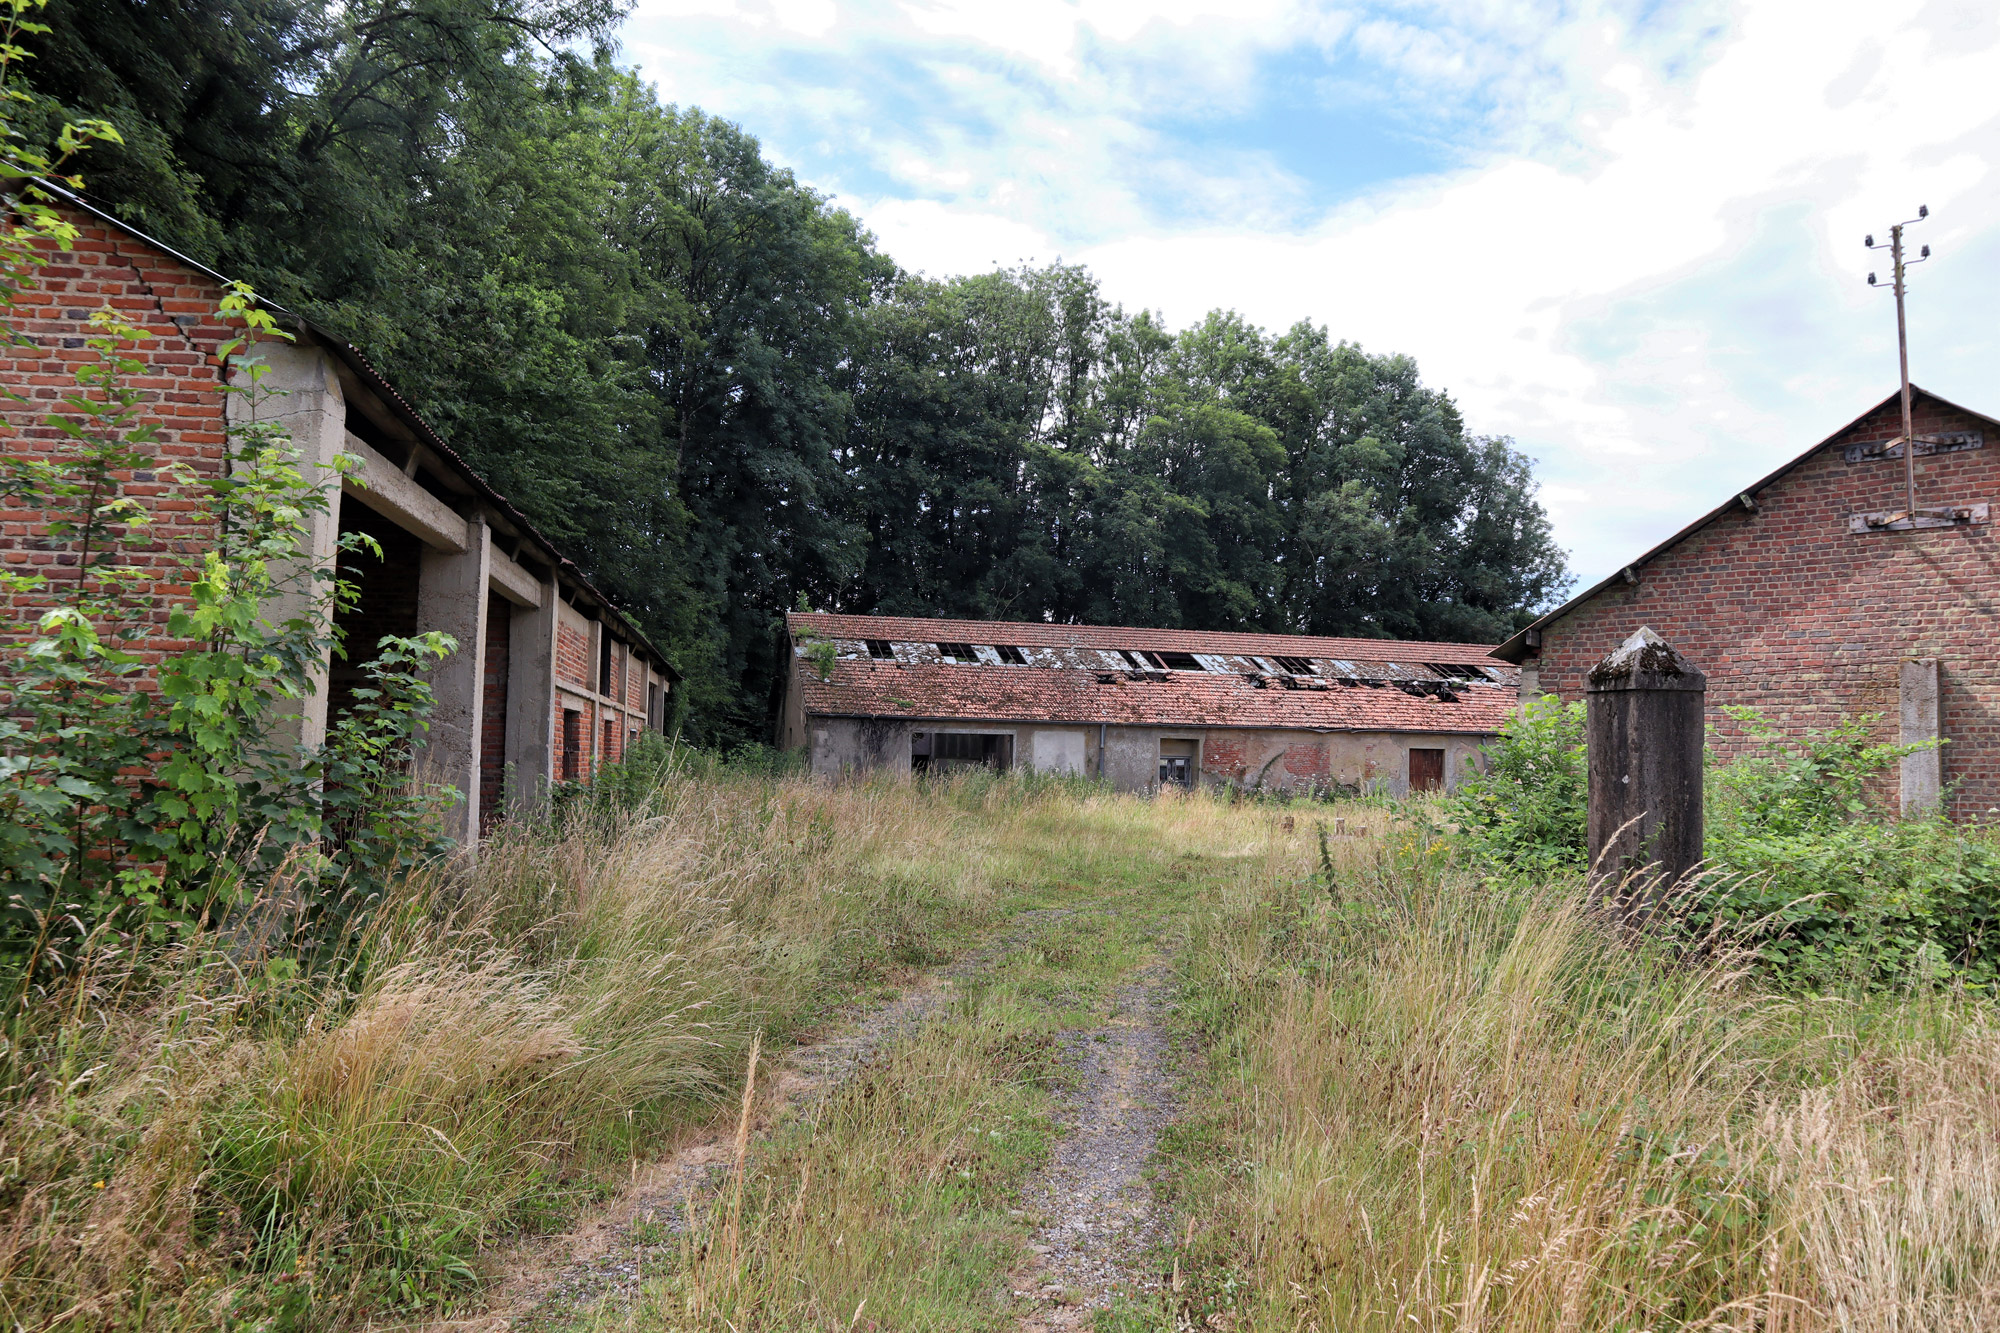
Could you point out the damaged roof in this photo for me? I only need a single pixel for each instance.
(1000, 671)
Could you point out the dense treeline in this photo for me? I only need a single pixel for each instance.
(701, 377)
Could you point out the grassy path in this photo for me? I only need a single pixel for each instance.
(974, 1154)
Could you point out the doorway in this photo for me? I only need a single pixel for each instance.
(1426, 770)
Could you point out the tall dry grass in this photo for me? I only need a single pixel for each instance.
(1469, 1107)
(198, 1135)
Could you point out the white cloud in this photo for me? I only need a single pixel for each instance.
(1641, 258)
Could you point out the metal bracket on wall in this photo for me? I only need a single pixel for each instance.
(1901, 520)
(1945, 442)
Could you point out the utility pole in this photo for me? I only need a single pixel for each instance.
(1899, 267)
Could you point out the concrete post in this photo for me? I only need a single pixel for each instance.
(531, 700)
(1643, 722)
(1923, 772)
(451, 596)
(301, 393)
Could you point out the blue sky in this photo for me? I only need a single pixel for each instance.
(1626, 235)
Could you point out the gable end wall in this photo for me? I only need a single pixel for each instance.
(1791, 614)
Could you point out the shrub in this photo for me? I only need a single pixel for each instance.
(1525, 813)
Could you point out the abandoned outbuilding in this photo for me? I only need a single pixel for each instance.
(549, 679)
(1814, 595)
(1140, 708)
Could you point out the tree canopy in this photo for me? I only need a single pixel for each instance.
(706, 381)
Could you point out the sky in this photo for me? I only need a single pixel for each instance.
(1629, 236)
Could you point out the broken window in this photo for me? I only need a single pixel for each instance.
(957, 652)
(1010, 654)
(946, 750)
(1177, 763)
(1142, 660)
(1295, 666)
(880, 650)
(1458, 670)
(1180, 661)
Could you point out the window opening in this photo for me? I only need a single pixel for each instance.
(1457, 670)
(572, 765)
(1010, 654)
(1181, 662)
(1426, 770)
(1296, 666)
(1142, 660)
(880, 650)
(945, 751)
(1177, 763)
(957, 652)
(603, 661)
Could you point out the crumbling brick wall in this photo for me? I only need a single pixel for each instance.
(1790, 613)
(179, 392)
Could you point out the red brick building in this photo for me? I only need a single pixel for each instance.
(549, 678)
(1140, 707)
(1812, 597)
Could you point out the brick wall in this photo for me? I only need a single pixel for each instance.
(178, 392)
(1791, 614)
(572, 656)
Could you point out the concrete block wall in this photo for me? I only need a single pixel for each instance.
(1790, 613)
(1129, 757)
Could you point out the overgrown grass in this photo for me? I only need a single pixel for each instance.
(198, 1135)
(1446, 1103)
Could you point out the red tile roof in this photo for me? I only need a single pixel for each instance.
(1069, 680)
(1034, 634)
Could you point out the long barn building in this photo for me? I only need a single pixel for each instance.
(1140, 708)
(549, 679)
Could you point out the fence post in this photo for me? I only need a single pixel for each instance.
(1643, 710)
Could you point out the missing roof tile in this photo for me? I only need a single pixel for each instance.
(1295, 666)
(957, 652)
(881, 650)
(1009, 654)
(1180, 661)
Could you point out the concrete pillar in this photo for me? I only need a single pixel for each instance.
(1643, 710)
(1531, 682)
(1923, 772)
(531, 700)
(300, 393)
(451, 596)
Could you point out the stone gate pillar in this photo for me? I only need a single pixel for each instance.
(1643, 709)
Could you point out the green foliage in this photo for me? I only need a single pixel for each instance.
(702, 378)
(145, 767)
(1805, 867)
(1831, 888)
(1526, 811)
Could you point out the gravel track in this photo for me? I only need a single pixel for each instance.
(1098, 1221)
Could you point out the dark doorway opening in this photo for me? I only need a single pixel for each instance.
(572, 737)
(493, 712)
(1426, 770)
(387, 603)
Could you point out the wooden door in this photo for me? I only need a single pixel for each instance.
(1426, 770)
